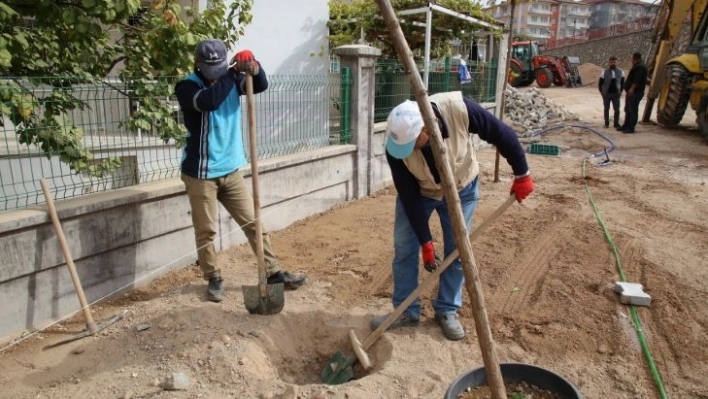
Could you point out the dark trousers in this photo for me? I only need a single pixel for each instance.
(613, 98)
(631, 110)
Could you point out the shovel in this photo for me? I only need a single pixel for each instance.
(264, 298)
(339, 367)
(91, 327)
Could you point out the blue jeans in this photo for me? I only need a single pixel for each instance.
(407, 249)
(614, 99)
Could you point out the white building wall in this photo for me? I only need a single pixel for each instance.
(289, 37)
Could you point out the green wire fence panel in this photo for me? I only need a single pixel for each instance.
(92, 136)
(392, 86)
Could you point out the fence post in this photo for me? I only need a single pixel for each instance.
(448, 68)
(346, 84)
(361, 61)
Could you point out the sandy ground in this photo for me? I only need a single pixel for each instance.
(547, 273)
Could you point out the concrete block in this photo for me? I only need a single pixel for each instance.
(632, 294)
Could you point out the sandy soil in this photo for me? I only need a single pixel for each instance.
(547, 272)
(589, 73)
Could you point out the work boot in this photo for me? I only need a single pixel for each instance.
(289, 280)
(402, 321)
(451, 326)
(215, 291)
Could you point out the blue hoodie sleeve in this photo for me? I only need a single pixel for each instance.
(192, 97)
(495, 132)
(260, 82)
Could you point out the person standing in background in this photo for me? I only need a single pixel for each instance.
(634, 86)
(610, 85)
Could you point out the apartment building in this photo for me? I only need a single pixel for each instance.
(546, 21)
(612, 12)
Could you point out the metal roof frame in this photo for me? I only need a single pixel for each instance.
(428, 10)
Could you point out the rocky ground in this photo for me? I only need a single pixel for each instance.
(547, 273)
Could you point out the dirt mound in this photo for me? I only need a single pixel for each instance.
(589, 73)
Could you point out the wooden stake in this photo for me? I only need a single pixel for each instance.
(472, 281)
(90, 323)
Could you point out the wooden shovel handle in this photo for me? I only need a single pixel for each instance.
(90, 324)
(434, 275)
(254, 180)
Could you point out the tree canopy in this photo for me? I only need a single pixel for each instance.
(64, 43)
(347, 19)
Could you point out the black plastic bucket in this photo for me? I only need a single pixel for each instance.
(515, 372)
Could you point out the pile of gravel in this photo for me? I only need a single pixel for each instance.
(529, 110)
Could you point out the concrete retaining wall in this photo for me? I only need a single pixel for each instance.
(598, 51)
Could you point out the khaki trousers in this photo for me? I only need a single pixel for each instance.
(232, 192)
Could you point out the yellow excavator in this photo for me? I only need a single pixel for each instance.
(682, 80)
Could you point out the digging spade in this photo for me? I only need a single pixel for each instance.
(339, 367)
(263, 298)
(91, 327)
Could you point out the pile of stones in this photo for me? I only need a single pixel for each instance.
(529, 110)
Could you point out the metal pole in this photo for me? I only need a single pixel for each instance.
(428, 34)
(506, 80)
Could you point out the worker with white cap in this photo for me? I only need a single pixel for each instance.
(420, 192)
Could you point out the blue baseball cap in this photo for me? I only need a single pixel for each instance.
(210, 58)
(403, 127)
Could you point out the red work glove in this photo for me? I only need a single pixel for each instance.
(522, 187)
(245, 62)
(430, 261)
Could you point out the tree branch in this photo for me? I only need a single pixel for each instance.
(113, 64)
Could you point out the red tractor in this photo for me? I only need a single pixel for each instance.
(527, 65)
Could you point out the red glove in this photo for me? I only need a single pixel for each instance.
(522, 187)
(245, 62)
(244, 56)
(430, 261)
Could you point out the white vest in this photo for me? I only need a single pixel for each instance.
(459, 152)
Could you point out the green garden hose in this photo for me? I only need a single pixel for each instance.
(632, 309)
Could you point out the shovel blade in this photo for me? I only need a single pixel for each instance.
(338, 369)
(272, 303)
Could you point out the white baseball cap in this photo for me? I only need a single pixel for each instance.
(403, 127)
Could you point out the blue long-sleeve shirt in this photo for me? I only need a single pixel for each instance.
(212, 116)
(482, 123)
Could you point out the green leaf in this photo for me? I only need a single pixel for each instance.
(6, 12)
(21, 38)
(5, 58)
(88, 3)
(68, 16)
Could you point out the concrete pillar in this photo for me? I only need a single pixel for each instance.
(361, 60)
(501, 73)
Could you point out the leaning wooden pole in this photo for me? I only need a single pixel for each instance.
(472, 280)
(506, 81)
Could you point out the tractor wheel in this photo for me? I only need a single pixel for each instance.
(674, 96)
(544, 78)
(702, 113)
(526, 82)
(515, 74)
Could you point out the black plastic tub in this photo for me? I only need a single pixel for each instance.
(516, 372)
